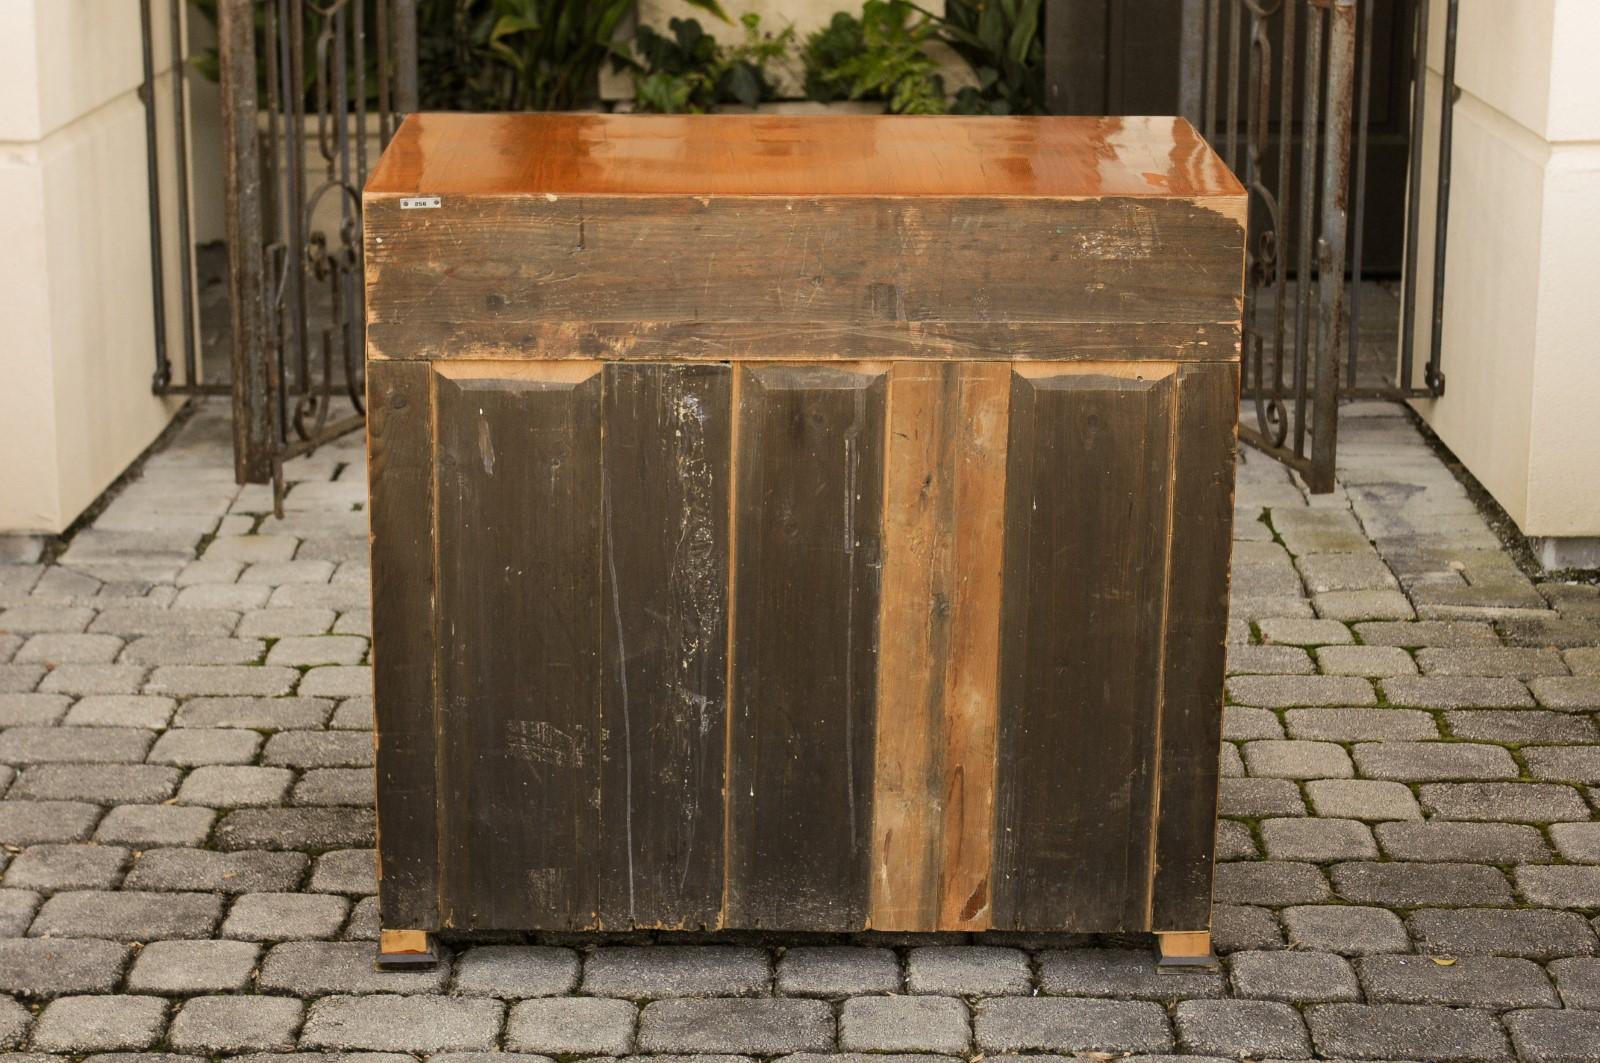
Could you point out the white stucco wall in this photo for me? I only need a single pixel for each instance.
(77, 354)
(1521, 349)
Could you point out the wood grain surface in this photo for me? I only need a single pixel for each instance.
(486, 155)
(603, 278)
(943, 518)
(891, 645)
(1087, 519)
(808, 513)
(519, 637)
(663, 699)
(806, 524)
(1193, 659)
(400, 469)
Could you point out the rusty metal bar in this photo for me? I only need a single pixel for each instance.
(405, 56)
(359, 32)
(1191, 61)
(294, 106)
(1331, 244)
(180, 148)
(1419, 102)
(1310, 117)
(1213, 45)
(252, 425)
(1274, 416)
(1231, 136)
(1364, 28)
(1433, 377)
(158, 281)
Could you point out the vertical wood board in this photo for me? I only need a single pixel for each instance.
(1196, 629)
(400, 468)
(1086, 504)
(808, 547)
(932, 815)
(519, 683)
(664, 589)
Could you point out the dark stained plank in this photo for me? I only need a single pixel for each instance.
(1197, 613)
(519, 643)
(805, 341)
(808, 461)
(400, 471)
(664, 641)
(1086, 546)
(477, 276)
(932, 814)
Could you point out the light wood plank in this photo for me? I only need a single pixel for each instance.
(939, 622)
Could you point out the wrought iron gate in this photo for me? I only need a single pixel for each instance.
(1282, 88)
(311, 90)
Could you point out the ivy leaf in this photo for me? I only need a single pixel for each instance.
(506, 25)
(1025, 30)
(744, 84)
(711, 7)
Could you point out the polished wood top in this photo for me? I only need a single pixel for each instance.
(787, 155)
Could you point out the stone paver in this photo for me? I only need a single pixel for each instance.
(100, 1024)
(387, 1023)
(1293, 976)
(1071, 1025)
(671, 971)
(572, 1026)
(182, 967)
(1405, 1031)
(1532, 933)
(128, 915)
(516, 971)
(1469, 981)
(1345, 928)
(1504, 802)
(1121, 973)
(766, 1027)
(1547, 1036)
(1242, 1029)
(213, 1025)
(49, 967)
(837, 971)
(1410, 842)
(1365, 799)
(905, 1024)
(285, 917)
(979, 971)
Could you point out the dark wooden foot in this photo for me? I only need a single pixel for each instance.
(1185, 949)
(406, 950)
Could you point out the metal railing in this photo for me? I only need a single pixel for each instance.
(1279, 90)
(305, 85)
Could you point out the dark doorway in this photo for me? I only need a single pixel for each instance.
(1110, 57)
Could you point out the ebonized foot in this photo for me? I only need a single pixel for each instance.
(406, 950)
(1185, 949)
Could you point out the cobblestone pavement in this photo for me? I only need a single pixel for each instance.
(1412, 862)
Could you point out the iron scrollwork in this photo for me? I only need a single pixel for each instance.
(1251, 50)
(301, 104)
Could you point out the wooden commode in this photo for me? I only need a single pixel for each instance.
(806, 523)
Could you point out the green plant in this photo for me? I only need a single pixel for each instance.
(1000, 41)
(691, 71)
(481, 55)
(878, 56)
(518, 54)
